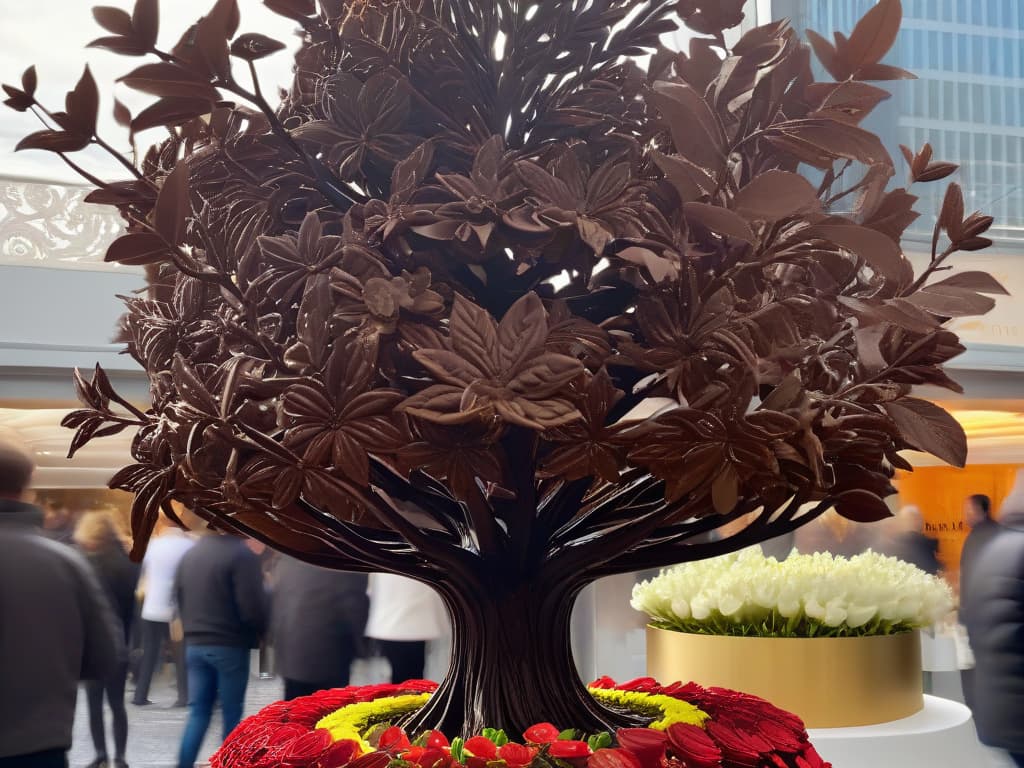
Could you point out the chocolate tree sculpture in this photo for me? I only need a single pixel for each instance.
(488, 302)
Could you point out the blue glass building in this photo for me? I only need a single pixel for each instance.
(968, 101)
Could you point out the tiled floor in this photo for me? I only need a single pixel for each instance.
(154, 731)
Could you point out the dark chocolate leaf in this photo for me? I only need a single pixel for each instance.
(86, 392)
(833, 63)
(832, 139)
(929, 428)
(951, 217)
(114, 20)
(474, 334)
(165, 79)
(719, 220)
(850, 101)
(253, 46)
(689, 179)
(121, 114)
(411, 172)
(951, 301)
(138, 249)
(937, 171)
(874, 34)
(146, 21)
(191, 388)
(126, 46)
(884, 72)
(17, 99)
(29, 81)
(877, 250)
(83, 105)
(862, 506)
(172, 205)
(174, 111)
(292, 9)
(725, 489)
(53, 141)
(775, 195)
(982, 282)
(122, 193)
(696, 131)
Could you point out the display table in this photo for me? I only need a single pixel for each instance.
(942, 734)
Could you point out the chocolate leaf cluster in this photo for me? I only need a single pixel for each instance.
(484, 288)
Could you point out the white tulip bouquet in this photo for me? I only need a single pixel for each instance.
(750, 595)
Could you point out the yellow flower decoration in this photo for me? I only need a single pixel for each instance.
(353, 721)
(672, 710)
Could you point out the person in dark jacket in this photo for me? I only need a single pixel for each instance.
(978, 517)
(96, 536)
(223, 610)
(57, 627)
(994, 590)
(319, 617)
(908, 542)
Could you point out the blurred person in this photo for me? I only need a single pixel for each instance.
(404, 615)
(780, 547)
(57, 627)
(267, 558)
(994, 590)
(159, 566)
(97, 537)
(905, 539)
(834, 534)
(58, 521)
(223, 609)
(977, 515)
(319, 616)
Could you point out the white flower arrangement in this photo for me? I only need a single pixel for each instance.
(748, 594)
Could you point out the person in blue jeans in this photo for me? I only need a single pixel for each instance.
(223, 609)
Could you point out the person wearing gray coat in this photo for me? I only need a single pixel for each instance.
(56, 628)
(993, 587)
(318, 618)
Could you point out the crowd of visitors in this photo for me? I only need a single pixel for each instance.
(74, 604)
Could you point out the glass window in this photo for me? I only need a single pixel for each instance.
(969, 102)
(934, 49)
(995, 57)
(963, 103)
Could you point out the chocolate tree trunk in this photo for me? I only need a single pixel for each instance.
(512, 663)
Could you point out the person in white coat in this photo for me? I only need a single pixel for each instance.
(159, 567)
(404, 615)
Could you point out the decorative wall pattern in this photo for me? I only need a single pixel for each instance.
(51, 225)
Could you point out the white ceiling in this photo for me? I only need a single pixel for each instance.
(40, 430)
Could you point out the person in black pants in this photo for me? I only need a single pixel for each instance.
(159, 568)
(992, 588)
(408, 658)
(404, 615)
(96, 536)
(156, 635)
(318, 619)
(222, 603)
(65, 628)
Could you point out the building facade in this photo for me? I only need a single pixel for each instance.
(968, 101)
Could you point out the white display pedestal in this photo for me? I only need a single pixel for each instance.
(942, 734)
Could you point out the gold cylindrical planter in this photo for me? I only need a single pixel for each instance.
(828, 682)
